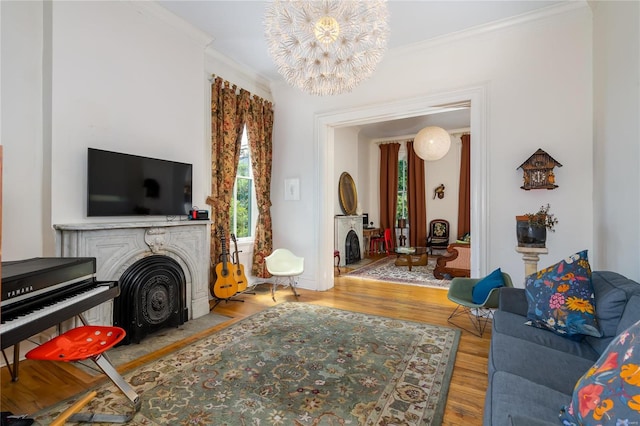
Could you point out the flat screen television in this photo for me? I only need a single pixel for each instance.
(121, 184)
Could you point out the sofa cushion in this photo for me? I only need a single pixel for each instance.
(612, 291)
(534, 357)
(513, 400)
(610, 390)
(514, 325)
(481, 290)
(561, 298)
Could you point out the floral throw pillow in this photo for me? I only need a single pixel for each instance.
(609, 393)
(561, 299)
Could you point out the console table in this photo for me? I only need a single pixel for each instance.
(367, 233)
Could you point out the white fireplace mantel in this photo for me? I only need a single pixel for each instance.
(344, 224)
(116, 246)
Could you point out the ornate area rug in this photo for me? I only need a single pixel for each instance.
(295, 364)
(386, 270)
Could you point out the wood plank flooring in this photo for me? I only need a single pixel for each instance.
(42, 384)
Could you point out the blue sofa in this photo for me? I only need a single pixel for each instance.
(532, 372)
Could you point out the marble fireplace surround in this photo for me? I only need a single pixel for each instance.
(116, 246)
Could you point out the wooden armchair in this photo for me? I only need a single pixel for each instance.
(455, 263)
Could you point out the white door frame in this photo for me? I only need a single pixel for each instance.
(324, 125)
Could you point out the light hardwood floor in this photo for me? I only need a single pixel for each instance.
(42, 384)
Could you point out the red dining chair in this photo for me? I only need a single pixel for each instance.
(388, 243)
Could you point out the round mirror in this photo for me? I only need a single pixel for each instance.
(348, 194)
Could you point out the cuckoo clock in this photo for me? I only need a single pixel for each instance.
(538, 171)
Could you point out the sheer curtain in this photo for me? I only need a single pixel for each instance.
(464, 194)
(389, 186)
(416, 199)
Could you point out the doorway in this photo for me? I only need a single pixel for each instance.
(325, 125)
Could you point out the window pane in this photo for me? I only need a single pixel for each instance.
(401, 208)
(244, 187)
(242, 204)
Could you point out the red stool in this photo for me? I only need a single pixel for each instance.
(336, 254)
(89, 342)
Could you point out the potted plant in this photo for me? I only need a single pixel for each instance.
(531, 228)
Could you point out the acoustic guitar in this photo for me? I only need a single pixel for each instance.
(225, 285)
(241, 278)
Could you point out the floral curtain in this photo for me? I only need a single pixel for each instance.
(416, 199)
(228, 114)
(260, 127)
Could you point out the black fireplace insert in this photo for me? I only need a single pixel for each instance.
(152, 297)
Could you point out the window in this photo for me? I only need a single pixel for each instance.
(401, 208)
(243, 202)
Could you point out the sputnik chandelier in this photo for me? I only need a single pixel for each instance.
(326, 47)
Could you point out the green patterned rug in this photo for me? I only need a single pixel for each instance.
(295, 364)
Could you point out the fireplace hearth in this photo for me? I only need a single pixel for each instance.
(152, 297)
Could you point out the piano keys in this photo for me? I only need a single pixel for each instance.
(42, 292)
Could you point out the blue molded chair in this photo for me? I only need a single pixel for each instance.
(460, 291)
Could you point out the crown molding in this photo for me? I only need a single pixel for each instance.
(242, 73)
(524, 18)
(154, 10)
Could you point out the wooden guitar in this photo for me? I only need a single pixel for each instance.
(241, 278)
(225, 285)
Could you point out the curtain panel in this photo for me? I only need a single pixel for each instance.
(464, 193)
(389, 186)
(260, 128)
(416, 198)
(231, 110)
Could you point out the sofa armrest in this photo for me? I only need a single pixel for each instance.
(513, 300)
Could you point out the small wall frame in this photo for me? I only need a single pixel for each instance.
(538, 171)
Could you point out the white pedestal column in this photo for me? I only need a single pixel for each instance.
(531, 256)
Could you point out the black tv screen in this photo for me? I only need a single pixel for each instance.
(130, 185)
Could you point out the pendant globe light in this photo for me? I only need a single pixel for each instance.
(326, 47)
(432, 143)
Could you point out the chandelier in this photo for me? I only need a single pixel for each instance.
(326, 47)
(432, 143)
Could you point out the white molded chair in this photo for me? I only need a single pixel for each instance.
(284, 264)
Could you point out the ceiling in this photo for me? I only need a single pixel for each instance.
(237, 31)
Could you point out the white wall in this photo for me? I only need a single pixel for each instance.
(537, 97)
(138, 90)
(121, 79)
(346, 160)
(22, 129)
(617, 136)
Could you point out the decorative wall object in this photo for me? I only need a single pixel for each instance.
(348, 194)
(439, 192)
(538, 171)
